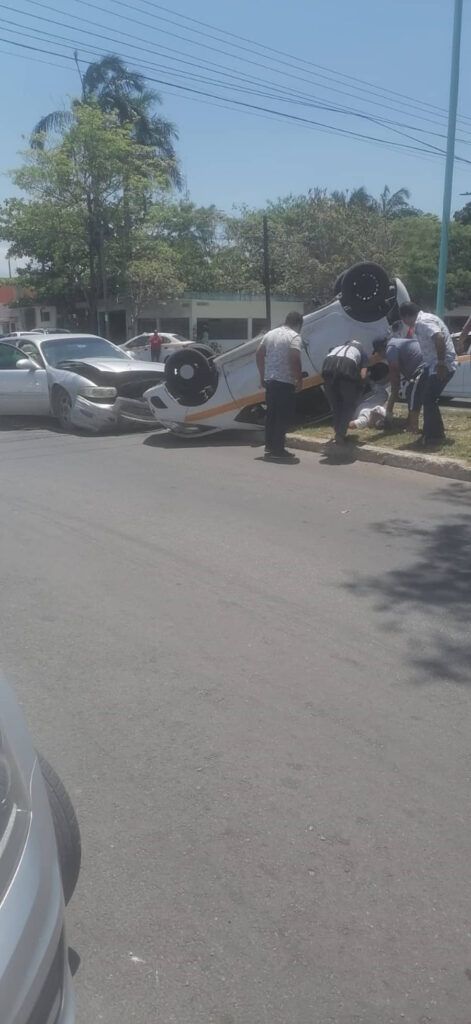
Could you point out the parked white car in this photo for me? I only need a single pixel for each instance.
(459, 386)
(203, 393)
(139, 347)
(82, 380)
(40, 853)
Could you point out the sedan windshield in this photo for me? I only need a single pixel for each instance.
(57, 352)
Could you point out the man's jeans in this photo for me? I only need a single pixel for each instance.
(280, 414)
(343, 396)
(432, 387)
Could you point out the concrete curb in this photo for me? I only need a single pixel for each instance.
(454, 469)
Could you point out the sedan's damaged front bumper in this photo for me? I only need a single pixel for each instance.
(93, 416)
(97, 416)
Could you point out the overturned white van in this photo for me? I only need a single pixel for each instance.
(202, 393)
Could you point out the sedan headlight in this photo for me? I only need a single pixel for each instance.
(97, 394)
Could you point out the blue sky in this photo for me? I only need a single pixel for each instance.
(232, 157)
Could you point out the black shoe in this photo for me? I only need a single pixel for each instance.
(433, 442)
(283, 456)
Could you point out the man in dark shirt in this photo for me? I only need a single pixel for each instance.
(405, 359)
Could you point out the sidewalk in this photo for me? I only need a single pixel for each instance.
(399, 449)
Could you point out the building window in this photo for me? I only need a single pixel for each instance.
(223, 329)
(45, 316)
(259, 326)
(175, 325)
(29, 315)
(146, 324)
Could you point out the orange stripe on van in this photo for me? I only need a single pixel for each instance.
(241, 403)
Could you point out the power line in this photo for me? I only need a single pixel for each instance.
(293, 98)
(282, 115)
(292, 57)
(132, 18)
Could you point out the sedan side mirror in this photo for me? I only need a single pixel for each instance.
(26, 364)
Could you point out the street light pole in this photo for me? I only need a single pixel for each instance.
(450, 155)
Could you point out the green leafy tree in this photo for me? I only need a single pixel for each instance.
(116, 89)
(77, 187)
(196, 235)
(463, 216)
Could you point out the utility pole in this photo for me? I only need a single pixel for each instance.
(450, 155)
(266, 271)
(104, 282)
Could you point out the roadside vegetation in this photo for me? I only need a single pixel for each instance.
(457, 445)
(100, 211)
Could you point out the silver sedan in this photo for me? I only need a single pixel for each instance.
(80, 379)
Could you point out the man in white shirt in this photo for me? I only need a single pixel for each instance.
(440, 364)
(279, 365)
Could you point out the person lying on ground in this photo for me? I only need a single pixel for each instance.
(371, 410)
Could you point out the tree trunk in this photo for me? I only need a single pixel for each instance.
(93, 266)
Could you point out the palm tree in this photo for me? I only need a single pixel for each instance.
(119, 90)
(116, 89)
(394, 204)
(362, 199)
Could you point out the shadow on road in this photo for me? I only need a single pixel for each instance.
(436, 586)
(234, 438)
(27, 423)
(30, 423)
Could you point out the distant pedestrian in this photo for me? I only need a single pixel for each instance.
(343, 370)
(279, 365)
(155, 347)
(439, 356)
(405, 360)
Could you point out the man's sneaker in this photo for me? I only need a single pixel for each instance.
(283, 456)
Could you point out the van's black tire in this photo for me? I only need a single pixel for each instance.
(66, 828)
(190, 376)
(366, 291)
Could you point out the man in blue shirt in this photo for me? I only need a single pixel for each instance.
(439, 357)
(405, 360)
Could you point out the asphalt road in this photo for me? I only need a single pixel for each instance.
(255, 681)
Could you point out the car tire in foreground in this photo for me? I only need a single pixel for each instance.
(62, 407)
(66, 828)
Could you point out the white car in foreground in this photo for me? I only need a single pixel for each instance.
(40, 852)
(201, 393)
(139, 347)
(82, 380)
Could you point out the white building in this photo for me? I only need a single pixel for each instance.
(14, 317)
(228, 319)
